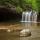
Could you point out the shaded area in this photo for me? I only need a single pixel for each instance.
(38, 17)
(8, 14)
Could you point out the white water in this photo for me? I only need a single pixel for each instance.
(29, 17)
(34, 17)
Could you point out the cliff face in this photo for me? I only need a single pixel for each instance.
(7, 14)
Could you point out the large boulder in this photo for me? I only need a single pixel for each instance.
(25, 33)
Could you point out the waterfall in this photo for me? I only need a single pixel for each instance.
(34, 17)
(28, 16)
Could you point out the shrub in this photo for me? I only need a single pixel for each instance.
(18, 9)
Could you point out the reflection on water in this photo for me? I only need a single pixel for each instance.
(34, 27)
(26, 25)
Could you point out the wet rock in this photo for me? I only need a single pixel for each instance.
(8, 30)
(25, 33)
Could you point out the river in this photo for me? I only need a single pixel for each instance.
(34, 27)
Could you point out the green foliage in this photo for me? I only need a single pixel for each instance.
(22, 4)
(38, 4)
(34, 5)
(18, 9)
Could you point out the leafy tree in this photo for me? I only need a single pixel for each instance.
(34, 5)
(38, 4)
(22, 4)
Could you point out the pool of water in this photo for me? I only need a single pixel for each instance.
(14, 35)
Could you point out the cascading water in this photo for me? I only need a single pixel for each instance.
(34, 17)
(29, 16)
(26, 17)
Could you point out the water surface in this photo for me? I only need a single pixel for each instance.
(34, 27)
